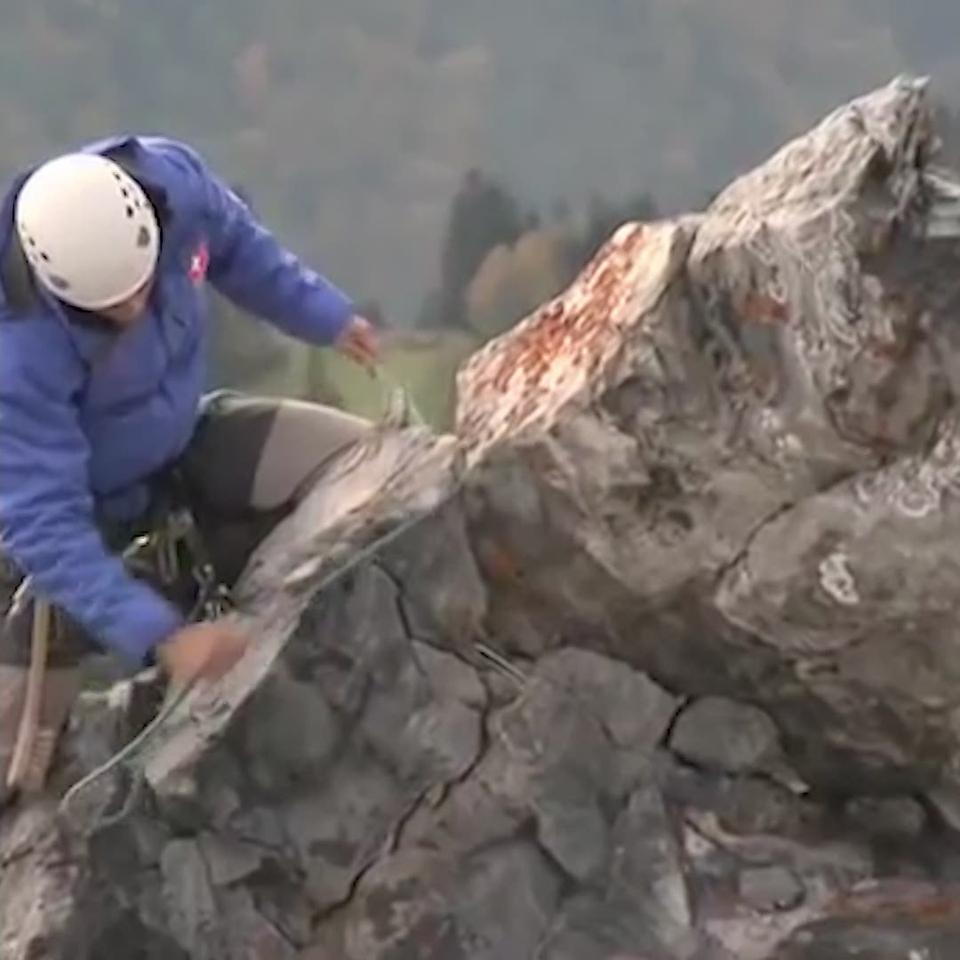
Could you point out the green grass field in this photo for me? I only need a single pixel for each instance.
(424, 365)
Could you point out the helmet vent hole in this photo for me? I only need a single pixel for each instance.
(143, 237)
(124, 192)
(129, 212)
(45, 257)
(58, 282)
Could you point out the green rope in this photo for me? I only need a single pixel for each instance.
(126, 757)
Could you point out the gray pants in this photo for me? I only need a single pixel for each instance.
(249, 462)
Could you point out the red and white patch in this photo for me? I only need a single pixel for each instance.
(199, 261)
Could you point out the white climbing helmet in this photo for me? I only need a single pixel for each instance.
(87, 229)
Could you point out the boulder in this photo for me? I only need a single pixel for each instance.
(728, 453)
(723, 735)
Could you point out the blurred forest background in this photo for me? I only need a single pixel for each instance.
(450, 163)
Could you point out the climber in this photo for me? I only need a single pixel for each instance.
(104, 253)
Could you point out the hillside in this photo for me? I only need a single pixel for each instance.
(352, 122)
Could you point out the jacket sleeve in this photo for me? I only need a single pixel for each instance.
(46, 509)
(248, 264)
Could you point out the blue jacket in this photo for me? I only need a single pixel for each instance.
(88, 415)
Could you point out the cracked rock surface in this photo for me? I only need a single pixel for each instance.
(729, 455)
(660, 660)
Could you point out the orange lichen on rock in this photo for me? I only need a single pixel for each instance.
(559, 350)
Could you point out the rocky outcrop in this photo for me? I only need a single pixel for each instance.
(728, 455)
(655, 658)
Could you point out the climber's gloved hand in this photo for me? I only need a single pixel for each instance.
(202, 651)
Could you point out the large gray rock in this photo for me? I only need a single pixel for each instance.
(722, 735)
(364, 785)
(728, 454)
